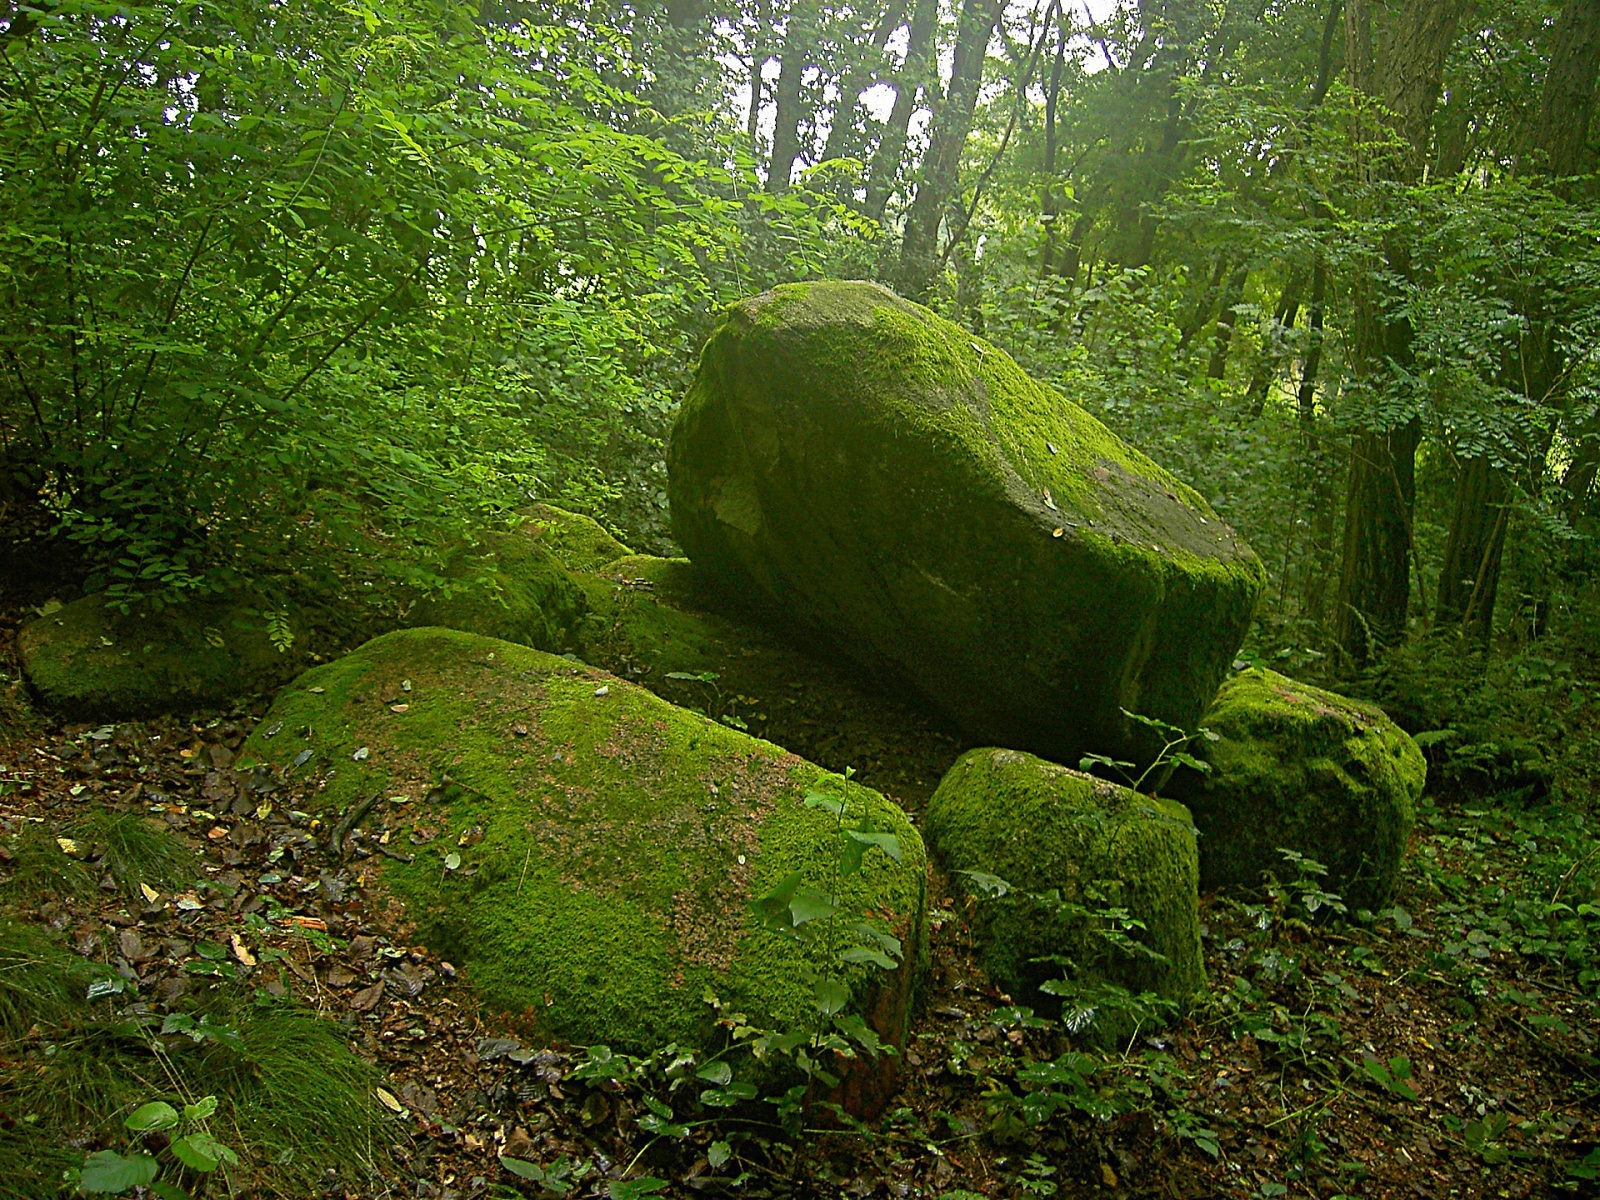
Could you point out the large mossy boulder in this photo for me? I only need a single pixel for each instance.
(1297, 768)
(903, 490)
(1043, 828)
(89, 662)
(609, 843)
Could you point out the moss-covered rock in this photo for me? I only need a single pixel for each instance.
(578, 542)
(609, 842)
(1298, 768)
(650, 621)
(903, 489)
(1041, 827)
(89, 662)
(510, 586)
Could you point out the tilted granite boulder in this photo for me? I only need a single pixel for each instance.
(904, 491)
(1297, 768)
(1043, 828)
(591, 851)
(89, 662)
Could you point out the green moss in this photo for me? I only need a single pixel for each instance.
(1300, 768)
(621, 838)
(654, 621)
(90, 663)
(511, 586)
(1042, 827)
(578, 542)
(908, 493)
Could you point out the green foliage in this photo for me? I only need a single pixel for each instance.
(91, 1059)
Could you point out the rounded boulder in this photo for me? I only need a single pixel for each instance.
(903, 491)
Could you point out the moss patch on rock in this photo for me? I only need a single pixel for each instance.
(609, 843)
(904, 491)
(578, 542)
(1042, 827)
(1295, 767)
(510, 586)
(651, 620)
(89, 662)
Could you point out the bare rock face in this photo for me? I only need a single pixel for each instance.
(901, 490)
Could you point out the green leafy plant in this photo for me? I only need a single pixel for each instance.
(191, 1146)
(1173, 753)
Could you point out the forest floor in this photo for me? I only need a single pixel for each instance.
(1446, 1047)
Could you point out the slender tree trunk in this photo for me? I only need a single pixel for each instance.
(952, 122)
(758, 61)
(861, 75)
(1222, 337)
(797, 52)
(1268, 362)
(917, 73)
(1557, 143)
(1375, 567)
(1050, 207)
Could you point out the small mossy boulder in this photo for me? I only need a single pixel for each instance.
(1297, 768)
(901, 489)
(510, 585)
(89, 662)
(588, 852)
(1042, 828)
(578, 542)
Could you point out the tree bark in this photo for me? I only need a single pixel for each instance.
(917, 73)
(797, 51)
(861, 75)
(1556, 143)
(1406, 75)
(952, 122)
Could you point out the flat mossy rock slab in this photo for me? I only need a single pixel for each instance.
(1298, 768)
(1041, 827)
(882, 477)
(651, 620)
(90, 663)
(609, 843)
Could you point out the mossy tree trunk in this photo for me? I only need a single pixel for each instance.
(918, 70)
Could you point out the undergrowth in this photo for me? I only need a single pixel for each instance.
(83, 1052)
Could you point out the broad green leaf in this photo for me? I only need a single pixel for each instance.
(147, 1118)
(106, 1172)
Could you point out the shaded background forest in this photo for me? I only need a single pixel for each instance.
(280, 280)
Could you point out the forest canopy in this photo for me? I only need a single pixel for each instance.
(316, 274)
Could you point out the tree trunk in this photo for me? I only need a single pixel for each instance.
(862, 74)
(1470, 574)
(797, 51)
(917, 73)
(952, 122)
(1222, 337)
(1375, 566)
(758, 61)
(1557, 143)
(1268, 362)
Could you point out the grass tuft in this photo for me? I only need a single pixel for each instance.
(293, 1101)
